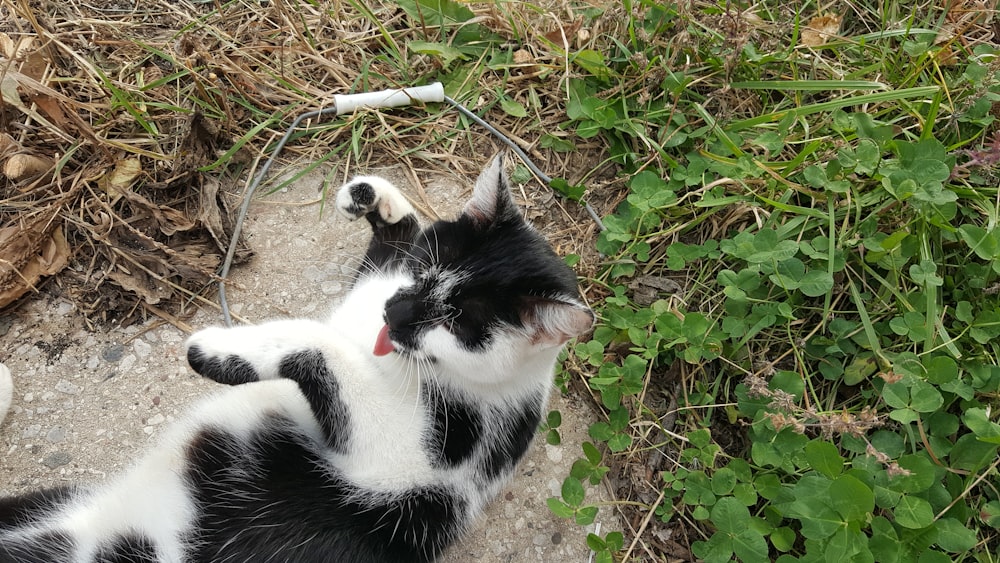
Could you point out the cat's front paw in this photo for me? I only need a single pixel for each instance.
(365, 194)
(207, 355)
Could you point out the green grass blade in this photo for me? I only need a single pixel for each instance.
(866, 322)
(809, 85)
(876, 98)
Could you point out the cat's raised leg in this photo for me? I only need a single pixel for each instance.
(244, 354)
(289, 349)
(393, 219)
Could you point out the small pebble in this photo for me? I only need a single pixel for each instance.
(57, 459)
(113, 353)
(142, 349)
(170, 336)
(127, 363)
(156, 419)
(66, 387)
(56, 434)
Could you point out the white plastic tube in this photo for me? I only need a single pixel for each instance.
(347, 103)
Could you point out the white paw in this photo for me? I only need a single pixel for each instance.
(364, 194)
(213, 343)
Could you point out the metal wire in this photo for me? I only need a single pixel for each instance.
(247, 197)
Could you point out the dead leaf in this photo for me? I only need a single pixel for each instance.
(15, 48)
(136, 281)
(564, 33)
(44, 259)
(820, 30)
(647, 289)
(166, 219)
(9, 83)
(50, 106)
(121, 177)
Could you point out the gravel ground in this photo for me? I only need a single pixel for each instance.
(86, 405)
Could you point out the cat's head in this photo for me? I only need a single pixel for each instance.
(489, 295)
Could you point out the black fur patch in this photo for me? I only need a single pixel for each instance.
(231, 370)
(390, 245)
(275, 498)
(50, 547)
(28, 508)
(128, 549)
(457, 425)
(520, 426)
(321, 389)
(362, 198)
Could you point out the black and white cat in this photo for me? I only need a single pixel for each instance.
(377, 435)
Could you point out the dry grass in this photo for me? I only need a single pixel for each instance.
(131, 129)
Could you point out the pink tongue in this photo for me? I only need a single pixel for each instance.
(382, 344)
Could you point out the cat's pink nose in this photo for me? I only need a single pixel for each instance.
(383, 345)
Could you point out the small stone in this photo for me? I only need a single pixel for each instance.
(141, 347)
(556, 538)
(156, 419)
(127, 363)
(56, 434)
(170, 337)
(57, 459)
(113, 353)
(31, 431)
(93, 362)
(313, 274)
(64, 308)
(540, 539)
(28, 397)
(68, 388)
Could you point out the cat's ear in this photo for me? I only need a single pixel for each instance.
(491, 200)
(554, 322)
